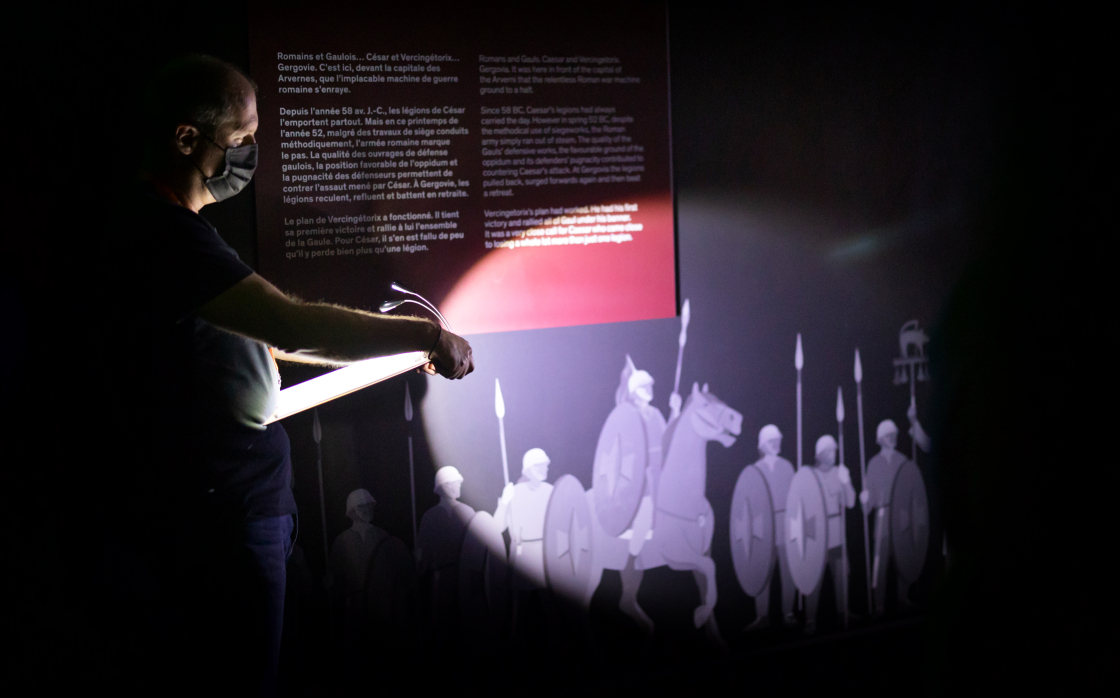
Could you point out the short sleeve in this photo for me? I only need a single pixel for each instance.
(192, 265)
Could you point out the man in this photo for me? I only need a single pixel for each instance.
(779, 474)
(839, 495)
(350, 555)
(199, 326)
(438, 546)
(521, 509)
(876, 501)
(636, 388)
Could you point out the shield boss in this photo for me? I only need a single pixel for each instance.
(752, 531)
(567, 539)
(806, 530)
(620, 468)
(483, 581)
(909, 521)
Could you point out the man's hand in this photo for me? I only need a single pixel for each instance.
(452, 357)
(844, 475)
(864, 498)
(507, 494)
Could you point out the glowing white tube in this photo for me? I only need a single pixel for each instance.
(343, 381)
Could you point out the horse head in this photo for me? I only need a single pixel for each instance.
(710, 417)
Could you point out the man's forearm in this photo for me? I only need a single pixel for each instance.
(317, 332)
(339, 335)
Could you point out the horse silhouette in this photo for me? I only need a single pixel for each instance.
(683, 519)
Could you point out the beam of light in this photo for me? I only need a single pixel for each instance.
(343, 381)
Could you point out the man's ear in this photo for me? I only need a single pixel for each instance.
(186, 138)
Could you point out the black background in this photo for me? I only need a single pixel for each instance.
(859, 115)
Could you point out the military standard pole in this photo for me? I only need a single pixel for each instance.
(913, 403)
(411, 467)
(863, 478)
(798, 362)
(500, 410)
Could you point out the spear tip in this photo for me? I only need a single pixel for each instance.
(859, 367)
(798, 355)
(839, 404)
(407, 402)
(499, 401)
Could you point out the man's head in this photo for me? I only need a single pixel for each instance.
(360, 505)
(826, 451)
(769, 440)
(640, 387)
(887, 434)
(534, 465)
(196, 108)
(449, 482)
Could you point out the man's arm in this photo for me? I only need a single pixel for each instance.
(322, 333)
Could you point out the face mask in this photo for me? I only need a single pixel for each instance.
(241, 162)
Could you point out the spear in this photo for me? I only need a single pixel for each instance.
(863, 477)
(681, 341)
(317, 435)
(799, 361)
(840, 501)
(411, 467)
(500, 410)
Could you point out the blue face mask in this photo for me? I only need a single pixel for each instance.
(241, 162)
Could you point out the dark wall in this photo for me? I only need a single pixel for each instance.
(851, 164)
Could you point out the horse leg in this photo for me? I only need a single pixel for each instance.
(628, 604)
(704, 567)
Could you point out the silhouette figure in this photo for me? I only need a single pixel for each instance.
(350, 555)
(876, 501)
(437, 552)
(839, 495)
(521, 510)
(683, 518)
(778, 473)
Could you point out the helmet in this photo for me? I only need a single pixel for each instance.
(446, 474)
(886, 426)
(824, 443)
(638, 379)
(534, 456)
(357, 498)
(767, 433)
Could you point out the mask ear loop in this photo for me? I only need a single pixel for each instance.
(225, 159)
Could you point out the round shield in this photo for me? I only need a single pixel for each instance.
(483, 581)
(909, 521)
(620, 468)
(567, 539)
(752, 531)
(391, 598)
(806, 530)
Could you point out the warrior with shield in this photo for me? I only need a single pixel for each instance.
(777, 472)
(437, 551)
(836, 483)
(876, 498)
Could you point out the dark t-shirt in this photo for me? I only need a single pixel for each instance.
(197, 395)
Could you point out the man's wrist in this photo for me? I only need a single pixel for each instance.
(438, 337)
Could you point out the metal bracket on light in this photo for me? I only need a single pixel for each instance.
(388, 306)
